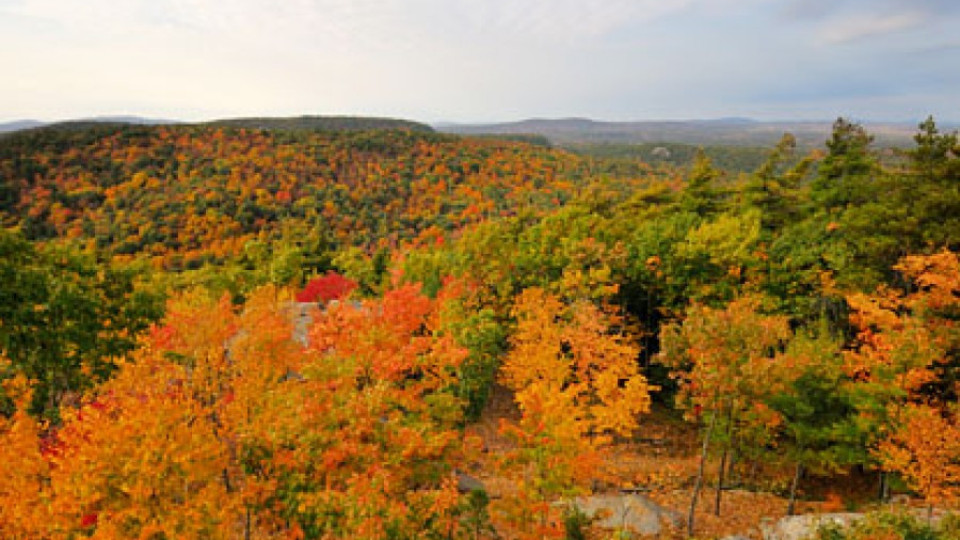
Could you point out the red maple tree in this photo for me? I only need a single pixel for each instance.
(332, 286)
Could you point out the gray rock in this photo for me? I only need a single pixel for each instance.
(804, 526)
(292, 375)
(660, 152)
(902, 500)
(467, 483)
(302, 314)
(631, 512)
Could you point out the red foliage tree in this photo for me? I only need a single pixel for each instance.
(332, 286)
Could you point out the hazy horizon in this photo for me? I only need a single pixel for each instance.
(137, 118)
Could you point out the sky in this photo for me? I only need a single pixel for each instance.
(481, 60)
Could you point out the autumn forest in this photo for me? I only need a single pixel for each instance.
(273, 330)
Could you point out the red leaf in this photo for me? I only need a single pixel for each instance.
(89, 520)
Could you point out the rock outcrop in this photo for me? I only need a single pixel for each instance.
(627, 511)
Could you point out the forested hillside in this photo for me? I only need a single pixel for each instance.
(191, 194)
(404, 334)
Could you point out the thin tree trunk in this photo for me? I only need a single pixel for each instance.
(884, 486)
(699, 483)
(723, 466)
(734, 475)
(723, 460)
(225, 476)
(793, 489)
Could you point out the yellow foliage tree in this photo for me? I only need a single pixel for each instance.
(23, 496)
(577, 384)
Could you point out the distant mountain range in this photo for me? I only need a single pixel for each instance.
(724, 131)
(19, 125)
(562, 131)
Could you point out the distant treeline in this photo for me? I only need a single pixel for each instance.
(728, 158)
(321, 123)
(529, 138)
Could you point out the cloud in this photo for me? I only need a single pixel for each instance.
(559, 18)
(809, 9)
(835, 22)
(825, 9)
(946, 47)
(860, 26)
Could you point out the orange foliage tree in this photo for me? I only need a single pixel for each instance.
(925, 449)
(906, 356)
(936, 301)
(222, 426)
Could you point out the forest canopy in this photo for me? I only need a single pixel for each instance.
(251, 330)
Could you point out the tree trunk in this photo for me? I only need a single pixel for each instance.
(884, 486)
(723, 459)
(793, 489)
(699, 483)
(734, 474)
(225, 476)
(723, 466)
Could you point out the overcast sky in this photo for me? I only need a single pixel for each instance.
(481, 60)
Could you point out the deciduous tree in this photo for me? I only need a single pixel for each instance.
(577, 385)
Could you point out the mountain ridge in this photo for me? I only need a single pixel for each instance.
(735, 131)
(279, 123)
